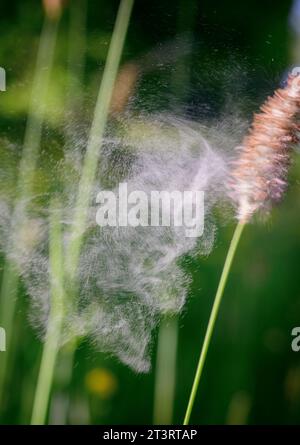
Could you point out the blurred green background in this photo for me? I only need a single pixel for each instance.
(196, 57)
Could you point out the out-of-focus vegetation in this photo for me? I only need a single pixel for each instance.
(202, 60)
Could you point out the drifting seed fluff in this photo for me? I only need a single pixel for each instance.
(128, 276)
(259, 174)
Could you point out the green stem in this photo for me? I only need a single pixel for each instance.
(51, 345)
(32, 138)
(77, 47)
(37, 108)
(213, 316)
(74, 103)
(165, 374)
(93, 152)
(96, 135)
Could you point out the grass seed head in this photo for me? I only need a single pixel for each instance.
(259, 175)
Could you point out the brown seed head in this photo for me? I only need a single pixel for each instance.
(258, 178)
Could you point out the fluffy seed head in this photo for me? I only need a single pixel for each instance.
(259, 174)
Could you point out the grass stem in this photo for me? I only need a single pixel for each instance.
(93, 154)
(213, 316)
(96, 135)
(32, 138)
(53, 334)
(165, 373)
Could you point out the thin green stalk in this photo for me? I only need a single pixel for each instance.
(32, 138)
(213, 316)
(74, 102)
(51, 345)
(77, 48)
(94, 149)
(62, 382)
(165, 373)
(96, 135)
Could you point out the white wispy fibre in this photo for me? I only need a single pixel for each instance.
(128, 277)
